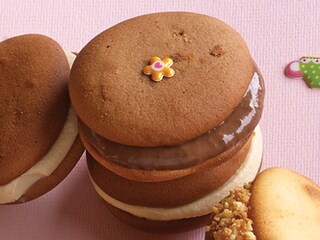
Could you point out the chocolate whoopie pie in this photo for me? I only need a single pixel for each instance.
(168, 107)
(39, 142)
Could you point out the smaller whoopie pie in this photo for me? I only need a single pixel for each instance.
(279, 205)
(39, 142)
(162, 150)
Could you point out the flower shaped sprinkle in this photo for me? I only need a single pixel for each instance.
(159, 68)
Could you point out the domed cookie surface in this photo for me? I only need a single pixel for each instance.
(110, 93)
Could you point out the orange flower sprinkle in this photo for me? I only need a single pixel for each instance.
(159, 68)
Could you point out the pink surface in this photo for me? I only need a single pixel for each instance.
(276, 32)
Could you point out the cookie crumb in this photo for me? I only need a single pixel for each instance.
(182, 34)
(217, 51)
(229, 219)
(178, 57)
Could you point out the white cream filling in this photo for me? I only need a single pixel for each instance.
(46, 166)
(204, 205)
(70, 57)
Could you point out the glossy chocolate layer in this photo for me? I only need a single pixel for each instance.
(150, 194)
(237, 126)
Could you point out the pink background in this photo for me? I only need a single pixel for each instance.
(276, 33)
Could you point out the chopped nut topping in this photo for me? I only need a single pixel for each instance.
(230, 217)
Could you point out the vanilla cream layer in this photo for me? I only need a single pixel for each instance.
(70, 57)
(246, 173)
(46, 166)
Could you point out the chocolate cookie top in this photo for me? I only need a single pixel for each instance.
(113, 96)
(34, 101)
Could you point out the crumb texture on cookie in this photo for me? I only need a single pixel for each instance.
(114, 98)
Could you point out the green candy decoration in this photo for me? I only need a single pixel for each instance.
(307, 68)
(310, 70)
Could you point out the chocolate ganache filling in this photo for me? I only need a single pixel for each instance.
(240, 124)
